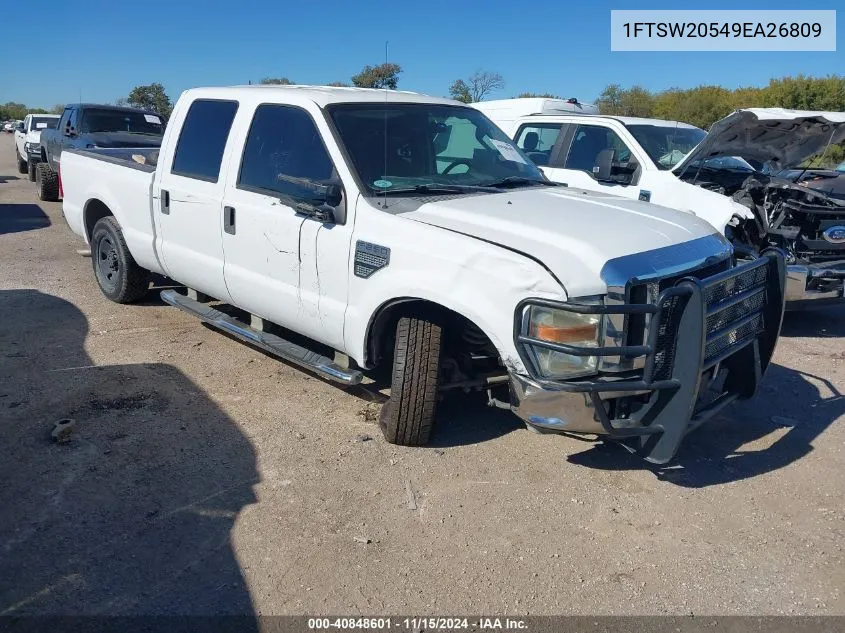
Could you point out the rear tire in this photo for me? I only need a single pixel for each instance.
(408, 417)
(119, 277)
(22, 168)
(46, 183)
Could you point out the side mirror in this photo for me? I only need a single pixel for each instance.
(331, 195)
(604, 164)
(70, 131)
(625, 173)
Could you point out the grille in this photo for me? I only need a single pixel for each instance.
(734, 303)
(664, 354)
(733, 313)
(734, 306)
(734, 337)
(732, 286)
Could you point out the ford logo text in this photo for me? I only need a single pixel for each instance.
(835, 235)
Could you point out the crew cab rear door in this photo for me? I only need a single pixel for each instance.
(188, 196)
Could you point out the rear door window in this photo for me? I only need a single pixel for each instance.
(202, 140)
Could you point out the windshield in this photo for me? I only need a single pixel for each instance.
(42, 122)
(400, 146)
(666, 145)
(101, 120)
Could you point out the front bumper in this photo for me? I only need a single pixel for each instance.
(814, 285)
(712, 358)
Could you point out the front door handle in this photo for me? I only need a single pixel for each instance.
(229, 220)
(165, 202)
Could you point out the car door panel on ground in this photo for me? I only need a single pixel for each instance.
(285, 266)
(188, 198)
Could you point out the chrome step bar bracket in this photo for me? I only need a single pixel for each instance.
(270, 343)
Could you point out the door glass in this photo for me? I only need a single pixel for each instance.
(283, 144)
(202, 139)
(538, 140)
(588, 142)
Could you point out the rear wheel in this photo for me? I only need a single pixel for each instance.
(46, 183)
(408, 417)
(119, 277)
(22, 169)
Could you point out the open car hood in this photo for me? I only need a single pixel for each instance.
(775, 137)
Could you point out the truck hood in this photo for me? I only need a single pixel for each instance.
(775, 137)
(122, 139)
(33, 136)
(572, 232)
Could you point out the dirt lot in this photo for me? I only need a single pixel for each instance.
(205, 477)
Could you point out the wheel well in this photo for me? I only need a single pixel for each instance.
(95, 210)
(381, 332)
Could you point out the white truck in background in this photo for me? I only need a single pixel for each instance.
(401, 235)
(728, 177)
(28, 141)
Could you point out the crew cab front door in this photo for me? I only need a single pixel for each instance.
(578, 157)
(188, 198)
(284, 266)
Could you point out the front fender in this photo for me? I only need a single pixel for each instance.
(480, 281)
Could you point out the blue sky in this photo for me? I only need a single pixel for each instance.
(101, 49)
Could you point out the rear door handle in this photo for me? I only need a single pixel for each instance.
(165, 202)
(229, 220)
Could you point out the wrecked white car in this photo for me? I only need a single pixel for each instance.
(753, 156)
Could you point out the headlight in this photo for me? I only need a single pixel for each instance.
(558, 326)
(33, 147)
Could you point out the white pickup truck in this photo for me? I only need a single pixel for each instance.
(729, 177)
(357, 230)
(28, 141)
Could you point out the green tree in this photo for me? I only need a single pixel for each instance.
(459, 91)
(276, 81)
(338, 84)
(12, 110)
(151, 97)
(57, 109)
(542, 95)
(477, 86)
(382, 76)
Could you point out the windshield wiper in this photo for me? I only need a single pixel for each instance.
(519, 181)
(439, 188)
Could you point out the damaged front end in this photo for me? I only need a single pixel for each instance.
(755, 157)
(808, 224)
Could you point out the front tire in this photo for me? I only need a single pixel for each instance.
(31, 170)
(46, 183)
(118, 276)
(408, 417)
(22, 168)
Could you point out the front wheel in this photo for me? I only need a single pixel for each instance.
(22, 168)
(408, 417)
(119, 277)
(31, 170)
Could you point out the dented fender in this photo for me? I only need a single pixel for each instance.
(482, 282)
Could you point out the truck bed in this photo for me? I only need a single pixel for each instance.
(122, 180)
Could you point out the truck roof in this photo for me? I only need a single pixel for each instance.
(321, 95)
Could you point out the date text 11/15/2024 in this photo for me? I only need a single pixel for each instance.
(418, 623)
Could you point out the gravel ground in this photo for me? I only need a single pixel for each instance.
(205, 477)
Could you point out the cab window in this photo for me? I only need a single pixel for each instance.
(588, 141)
(283, 146)
(538, 141)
